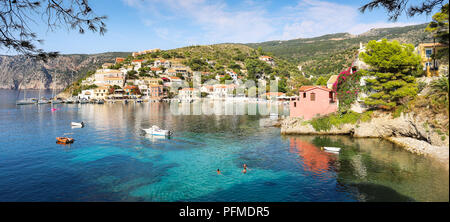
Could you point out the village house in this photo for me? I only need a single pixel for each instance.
(223, 90)
(157, 70)
(269, 60)
(119, 60)
(426, 50)
(188, 94)
(114, 81)
(313, 101)
(207, 89)
(137, 64)
(131, 91)
(145, 92)
(86, 94)
(101, 74)
(274, 95)
(156, 92)
(100, 92)
(162, 62)
(152, 81)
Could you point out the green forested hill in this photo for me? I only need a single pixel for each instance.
(330, 53)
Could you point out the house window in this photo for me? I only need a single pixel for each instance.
(295, 104)
(313, 97)
(331, 95)
(428, 52)
(304, 95)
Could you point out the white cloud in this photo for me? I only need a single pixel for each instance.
(207, 22)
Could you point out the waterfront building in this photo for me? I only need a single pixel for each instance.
(222, 91)
(86, 94)
(274, 95)
(100, 92)
(188, 94)
(131, 91)
(156, 92)
(313, 101)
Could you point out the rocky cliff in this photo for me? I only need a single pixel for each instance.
(20, 72)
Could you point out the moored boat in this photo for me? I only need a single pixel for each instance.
(26, 101)
(155, 130)
(78, 124)
(43, 101)
(331, 149)
(64, 140)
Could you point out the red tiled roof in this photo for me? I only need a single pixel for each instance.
(274, 94)
(139, 60)
(307, 88)
(130, 87)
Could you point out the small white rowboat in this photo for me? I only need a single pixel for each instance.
(80, 124)
(331, 149)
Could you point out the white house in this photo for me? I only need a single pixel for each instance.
(269, 60)
(86, 94)
(162, 62)
(222, 91)
(188, 94)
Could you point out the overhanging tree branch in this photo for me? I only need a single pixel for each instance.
(16, 17)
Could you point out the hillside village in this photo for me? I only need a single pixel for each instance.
(153, 75)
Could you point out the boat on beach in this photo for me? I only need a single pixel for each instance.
(155, 130)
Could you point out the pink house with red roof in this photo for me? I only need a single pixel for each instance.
(313, 101)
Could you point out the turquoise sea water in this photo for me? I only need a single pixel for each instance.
(112, 159)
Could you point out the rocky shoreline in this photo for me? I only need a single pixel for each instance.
(407, 131)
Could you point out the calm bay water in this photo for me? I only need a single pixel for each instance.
(112, 159)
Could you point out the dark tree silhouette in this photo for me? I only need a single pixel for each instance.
(397, 7)
(17, 18)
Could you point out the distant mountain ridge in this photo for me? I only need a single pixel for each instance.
(332, 52)
(19, 72)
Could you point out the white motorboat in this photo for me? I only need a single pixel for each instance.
(56, 101)
(26, 101)
(43, 101)
(155, 130)
(77, 124)
(332, 149)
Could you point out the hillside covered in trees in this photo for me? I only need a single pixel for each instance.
(331, 53)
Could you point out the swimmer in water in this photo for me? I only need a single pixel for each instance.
(245, 168)
(218, 171)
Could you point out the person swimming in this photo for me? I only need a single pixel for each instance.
(245, 168)
(218, 171)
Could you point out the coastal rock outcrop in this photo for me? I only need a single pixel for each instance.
(407, 130)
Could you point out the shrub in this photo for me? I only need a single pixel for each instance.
(347, 88)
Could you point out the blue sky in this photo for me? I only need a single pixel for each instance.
(135, 25)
